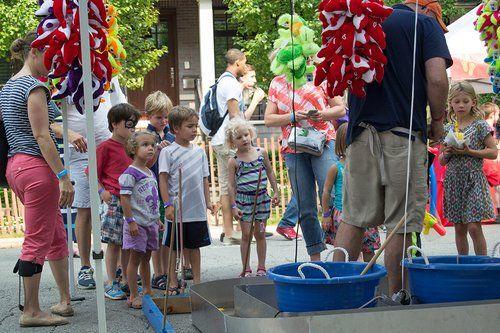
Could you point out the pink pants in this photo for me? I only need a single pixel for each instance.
(32, 180)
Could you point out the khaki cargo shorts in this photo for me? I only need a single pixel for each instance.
(374, 188)
(223, 154)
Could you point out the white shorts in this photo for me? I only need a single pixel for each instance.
(78, 164)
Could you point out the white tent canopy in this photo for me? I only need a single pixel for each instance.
(468, 53)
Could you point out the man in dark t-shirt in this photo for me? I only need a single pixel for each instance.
(379, 130)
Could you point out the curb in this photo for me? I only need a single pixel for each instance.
(11, 243)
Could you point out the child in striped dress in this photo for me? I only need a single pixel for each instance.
(244, 187)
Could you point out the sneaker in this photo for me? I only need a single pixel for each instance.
(188, 273)
(86, 278)
(126, 289)
(159, 282)
(114, 292)
(289, 233)
(118, 274)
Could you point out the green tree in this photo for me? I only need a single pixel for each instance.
(257, 28)
(135, 19)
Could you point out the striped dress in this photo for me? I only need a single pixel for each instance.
(247, 177)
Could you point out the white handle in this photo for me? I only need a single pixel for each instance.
(339, 249)
(416, 248)
(310, 264)
(497, 246)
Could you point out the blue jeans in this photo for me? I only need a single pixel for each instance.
(311, 171)
(291, 215)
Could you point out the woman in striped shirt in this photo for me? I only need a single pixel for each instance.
(37, 176)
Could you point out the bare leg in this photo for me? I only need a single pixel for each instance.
(245, 239)
(227, 216)
(83, 232)
(478, 240)
(367, 256)
(146, 273)
(171, 271)
(260, 238)
(157, 264)
(125, 259)
(111, 260)
(195, 259)
(392, 260)
(31, 303)
(349, 237)
(461, 238)
(60, 272)
(132, 266)
(164, 258)
(187, 262)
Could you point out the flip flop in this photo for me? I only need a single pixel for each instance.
(135, 304)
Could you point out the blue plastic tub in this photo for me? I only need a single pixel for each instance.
(454, 278)
(346, 289)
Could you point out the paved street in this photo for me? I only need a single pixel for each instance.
(218, 262)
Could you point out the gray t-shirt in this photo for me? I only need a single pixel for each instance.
(143, 189)
(194, 164)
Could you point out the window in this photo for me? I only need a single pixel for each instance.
(224, 33)
(159, 34)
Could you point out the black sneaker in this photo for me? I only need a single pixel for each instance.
(159, 282)
(188, 273)
(86, 278)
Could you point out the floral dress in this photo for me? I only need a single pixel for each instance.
(466, 192)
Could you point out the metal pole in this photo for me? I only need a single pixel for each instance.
(69, 211)
(97, 253)
(69, 220)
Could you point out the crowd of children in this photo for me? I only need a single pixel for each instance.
(140, 188)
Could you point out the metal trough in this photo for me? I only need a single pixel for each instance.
(249, 305)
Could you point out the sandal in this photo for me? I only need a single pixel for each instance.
(173, 291)
(247, 273)
(159, 282)
(261, 271)
(135, 304)
(51, 320)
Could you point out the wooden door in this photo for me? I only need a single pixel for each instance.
(164, 76)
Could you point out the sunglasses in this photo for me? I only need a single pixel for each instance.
(130, 123)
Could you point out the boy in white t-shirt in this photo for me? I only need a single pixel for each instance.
(193, 162)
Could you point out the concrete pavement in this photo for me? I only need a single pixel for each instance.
(218, 262)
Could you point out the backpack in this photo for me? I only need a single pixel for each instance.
(210, 118)
(4, 149)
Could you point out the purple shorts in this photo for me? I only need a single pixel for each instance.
(146, 240)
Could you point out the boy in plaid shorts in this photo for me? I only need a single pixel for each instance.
(112, 161)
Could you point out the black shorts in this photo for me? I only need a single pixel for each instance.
(194, 234)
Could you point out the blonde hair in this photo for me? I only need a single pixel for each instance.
(133, 142)
(488, 108)
(340, 141)
(157, 102)
(233, 128)
(20, 48)
(468, 89)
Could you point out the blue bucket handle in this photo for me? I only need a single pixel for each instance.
(416, 248)
(497, 246)
(313, 265)
(346, 255)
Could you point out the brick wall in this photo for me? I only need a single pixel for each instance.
(188, 47)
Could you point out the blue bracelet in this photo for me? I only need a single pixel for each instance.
(328, 213)
(129, 220)
(101, 190)
(233, 206)
(167, 204)
(62, 173)
(292, 117)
